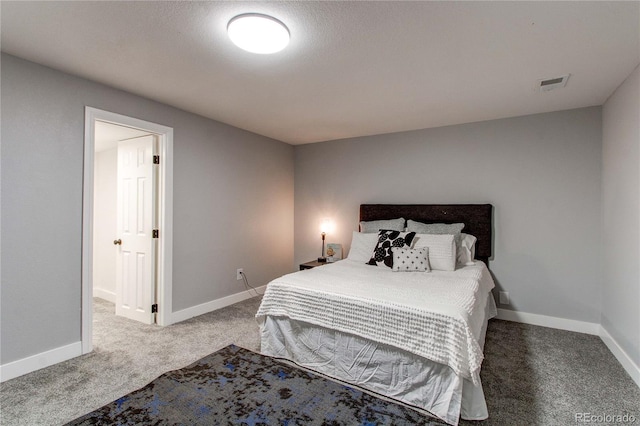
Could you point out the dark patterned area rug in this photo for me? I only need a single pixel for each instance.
(238, 386)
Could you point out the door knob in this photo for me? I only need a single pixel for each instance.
(117, 242)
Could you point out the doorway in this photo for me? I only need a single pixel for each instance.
(112, 141)
(124, 217)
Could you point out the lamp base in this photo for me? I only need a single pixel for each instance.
(322, 259)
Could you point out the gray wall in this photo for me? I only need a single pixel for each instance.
(621, 215)
(541, 172)
(233, 204)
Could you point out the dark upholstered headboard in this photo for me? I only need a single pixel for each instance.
(477, 219)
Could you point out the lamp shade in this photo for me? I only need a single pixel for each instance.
(326, 226)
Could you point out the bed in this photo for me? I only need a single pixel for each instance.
(413, 337)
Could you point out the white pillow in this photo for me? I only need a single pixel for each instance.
(362, 245)
(467, 250)
(410, 260)
(442, 250)
(376, 225)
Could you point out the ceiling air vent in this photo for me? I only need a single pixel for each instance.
(553, 83)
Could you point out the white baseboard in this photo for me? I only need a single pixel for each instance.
(581, 327)
(45, 359)
(107, 295)
(627, 363)
(213, 305)
(551, 322)
(17, 368)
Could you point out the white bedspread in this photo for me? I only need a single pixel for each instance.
(428, 314)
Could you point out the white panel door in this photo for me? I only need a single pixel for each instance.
(135, 274)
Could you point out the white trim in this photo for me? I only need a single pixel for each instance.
(165, 223)
(165, 216)
(627, 363)
(214, 305)
(87, 233)
(107, 295)
(54, 356)
(23, 366)
(551, 322)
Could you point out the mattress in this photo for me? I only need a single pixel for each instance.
(393, 362)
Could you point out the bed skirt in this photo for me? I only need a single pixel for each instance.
(379, 368)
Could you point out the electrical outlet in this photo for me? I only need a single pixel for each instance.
(239, 273)
(504, 297)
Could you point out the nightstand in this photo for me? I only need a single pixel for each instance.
(311, 265)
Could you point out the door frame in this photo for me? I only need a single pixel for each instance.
(165, 216)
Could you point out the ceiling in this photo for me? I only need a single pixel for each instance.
(351, 69)
(107, 135)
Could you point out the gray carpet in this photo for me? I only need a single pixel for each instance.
(542, 376)
(531, 375)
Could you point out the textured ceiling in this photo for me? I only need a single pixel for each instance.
(351, 69)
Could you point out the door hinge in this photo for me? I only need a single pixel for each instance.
(155, 233)
(156, 159)
(154, 308)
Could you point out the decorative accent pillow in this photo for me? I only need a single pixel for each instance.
(466, 250)
(382, 255)
(362, 246)
(410, 260)
(442, 250)
(377, 225)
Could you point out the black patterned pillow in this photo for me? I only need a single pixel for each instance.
(410, 260)
(387, 239)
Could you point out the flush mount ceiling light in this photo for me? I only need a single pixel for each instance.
(258, 33)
